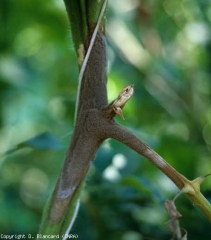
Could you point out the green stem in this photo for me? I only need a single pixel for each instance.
(83, 16)
(192, 191)
(75, 15)
(60, 228)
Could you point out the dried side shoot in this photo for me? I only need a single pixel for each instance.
(173, 223)
(115, 107)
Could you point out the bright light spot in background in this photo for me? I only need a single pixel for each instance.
(165, 184)
(57, 107)
(129, 45)
(58, 4)
(119, 161)
(111, 173)
(29, 41)
(11, 71)
(34, 184)
(10, 135)
(197, 32)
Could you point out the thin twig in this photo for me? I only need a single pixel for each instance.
(128, 138)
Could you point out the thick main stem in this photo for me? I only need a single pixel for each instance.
(85, 140)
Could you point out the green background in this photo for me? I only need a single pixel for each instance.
(164, 49)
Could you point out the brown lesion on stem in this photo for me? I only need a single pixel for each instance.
(94, 124)
(85, 140)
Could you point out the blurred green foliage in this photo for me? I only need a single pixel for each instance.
(164, 49)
